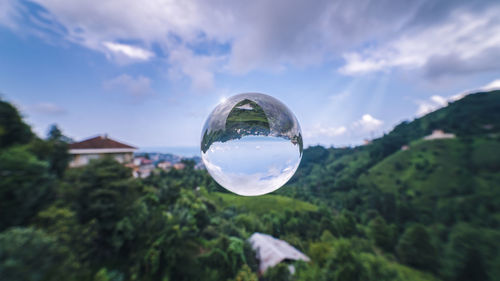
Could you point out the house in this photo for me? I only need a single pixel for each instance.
(165, 165)
(142, 167)
(271, 251)
(439, 134)
(97, 147)
(179, 166)
(142, 161)
(145, 167)
(143, 171)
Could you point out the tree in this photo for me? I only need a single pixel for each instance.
(106, 275)
(105, 192)
(471, 253)
(381, 233)
(25, 186)
(59, 157)
(54, 133)
(246, 274)
(279, 272)
(12, 128)
(345, 224)
(343, 265)
(60, 223)
(228, 255)
(376, 268)
(54, 150)
(29, 254)
(415, 248)
(308, 271)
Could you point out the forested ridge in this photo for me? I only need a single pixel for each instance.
(373, 212)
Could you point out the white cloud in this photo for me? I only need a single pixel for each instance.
(458, 96)
(357, 64)
(428, 106)
(198, 68)
(273, 35)
(493, 85)
(136, 87)
(336, 98)
(129, 51)
(367, 123)
(436, 102)
(439, 100)
(466, 42)
(8, 13)
(46, 108)
(325, 131)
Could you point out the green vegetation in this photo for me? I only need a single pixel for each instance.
(262, 204)
(245, 118)
(12, 129)
(375, 212)
(246, 115)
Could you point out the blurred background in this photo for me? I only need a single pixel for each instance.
(102, 105)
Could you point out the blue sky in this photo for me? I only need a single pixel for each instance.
(149, 72)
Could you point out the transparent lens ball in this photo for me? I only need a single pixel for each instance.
(251, 144)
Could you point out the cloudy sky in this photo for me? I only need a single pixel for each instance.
(149, 72)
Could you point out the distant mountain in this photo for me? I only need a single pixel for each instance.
(444, 181)
(474, 115)
(401, 208)
(474, 119)
(447, 188)
(470, 115)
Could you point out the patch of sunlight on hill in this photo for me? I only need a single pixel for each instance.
(430, 167)
(447, 180)
(261, 204)
(409, 274)
(438, 167)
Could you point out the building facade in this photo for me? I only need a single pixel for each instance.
(97, 147)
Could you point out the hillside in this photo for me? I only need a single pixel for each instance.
(476, 116)
(449, 188)
(443, 180)
(261, 205)
(374, 212)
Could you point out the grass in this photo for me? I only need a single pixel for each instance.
(485, 154)
(410, 274)
(255, 116)
(428, 167)
(437, 167)
(441, 177)
(261, 204)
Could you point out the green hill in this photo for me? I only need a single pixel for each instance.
(475, 120)
(443, 193)
(374, 212)
(261, 204)
(439, 195)
(444, 180)
(474, 115)
(430, 167)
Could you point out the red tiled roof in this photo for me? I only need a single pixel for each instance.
(99, 142)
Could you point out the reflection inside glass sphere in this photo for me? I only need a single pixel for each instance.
(251, 144)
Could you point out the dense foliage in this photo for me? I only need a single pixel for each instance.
(374, 212)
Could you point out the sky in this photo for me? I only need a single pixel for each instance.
(150, 72)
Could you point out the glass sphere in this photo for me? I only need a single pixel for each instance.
(251, 144)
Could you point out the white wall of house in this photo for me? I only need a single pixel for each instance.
(81, 159)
